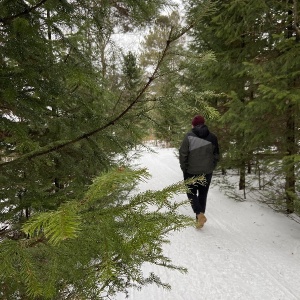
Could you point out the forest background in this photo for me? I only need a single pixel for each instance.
(74, 107)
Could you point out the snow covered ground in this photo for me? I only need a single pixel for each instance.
(244, 251)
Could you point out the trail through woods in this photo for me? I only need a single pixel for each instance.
(244, 251)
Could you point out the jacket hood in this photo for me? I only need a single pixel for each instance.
(201, 131)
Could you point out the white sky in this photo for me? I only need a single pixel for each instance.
(245, 251)
(131, 41)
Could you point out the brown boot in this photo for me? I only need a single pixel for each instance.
(201, 219)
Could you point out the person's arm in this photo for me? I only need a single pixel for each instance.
(184, 154)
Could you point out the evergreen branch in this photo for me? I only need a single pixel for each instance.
(61, 144)
(25, 12)
(57, 225)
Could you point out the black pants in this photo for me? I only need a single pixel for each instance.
(198, 193)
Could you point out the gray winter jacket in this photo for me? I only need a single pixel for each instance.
(199, 151)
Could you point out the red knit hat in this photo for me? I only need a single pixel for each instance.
(198, 120)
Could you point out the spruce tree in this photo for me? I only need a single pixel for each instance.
(255, 44)
(70, 226)
(172, 102)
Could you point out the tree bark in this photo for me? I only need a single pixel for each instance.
(291, 147)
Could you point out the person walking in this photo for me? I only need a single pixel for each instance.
(198, 156)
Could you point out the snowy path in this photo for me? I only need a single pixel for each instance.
(245, 251)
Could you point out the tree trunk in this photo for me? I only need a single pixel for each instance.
(291, 147)
(249, 167)
(242, 182)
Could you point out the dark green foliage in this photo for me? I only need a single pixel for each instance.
(54, 98)
(255, 43)
(70, 112)
(94, 246)
(173, 102)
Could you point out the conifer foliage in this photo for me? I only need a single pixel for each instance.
(70, 226)
(173, 100)
(93, 247)
(256, 71)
